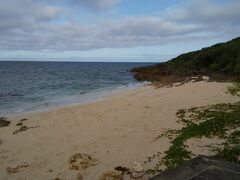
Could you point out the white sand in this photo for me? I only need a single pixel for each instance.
(117, 131)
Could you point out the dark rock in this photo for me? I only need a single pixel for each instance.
(19, 124)
(4, 122)
(24, 128)
(123, 169)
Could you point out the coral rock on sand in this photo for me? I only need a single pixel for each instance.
(13, 170)
(137, 170)
(81, 161)
(4, 122)
(111, 175)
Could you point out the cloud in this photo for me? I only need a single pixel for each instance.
(97, 5)
(206, 11)
(19, 15)
(34, 28)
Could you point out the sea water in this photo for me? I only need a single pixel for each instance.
(37, 86)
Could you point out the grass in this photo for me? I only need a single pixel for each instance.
(220, 120)
(221, 62)
(231, 148)
(235, 89)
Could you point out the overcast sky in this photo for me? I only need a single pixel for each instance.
(113, 30)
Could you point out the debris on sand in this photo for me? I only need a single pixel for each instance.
(111, 175)
(4, 122)
(81, 161)
(13, 170)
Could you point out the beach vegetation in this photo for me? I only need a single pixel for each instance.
(216, 121)
(235, 89)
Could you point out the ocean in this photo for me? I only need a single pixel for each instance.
(38, 86)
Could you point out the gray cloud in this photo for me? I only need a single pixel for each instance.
(18, 15)
(28, 25)
(97, 5)
(206, 11)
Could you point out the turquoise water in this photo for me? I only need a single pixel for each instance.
(34, 86)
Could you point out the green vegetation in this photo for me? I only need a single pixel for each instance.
(220, 120)
(235, 89)
(220, 62)
(223, 58)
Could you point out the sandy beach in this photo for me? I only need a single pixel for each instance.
(116, 131)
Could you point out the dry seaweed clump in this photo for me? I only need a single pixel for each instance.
(81, 161)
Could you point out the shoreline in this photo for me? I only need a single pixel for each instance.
(116, 131)
(84, 99)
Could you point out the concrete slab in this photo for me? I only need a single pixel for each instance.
(203, 168)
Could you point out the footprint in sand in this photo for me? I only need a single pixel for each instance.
(23, 128)
(81, 161)
(13, 170)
